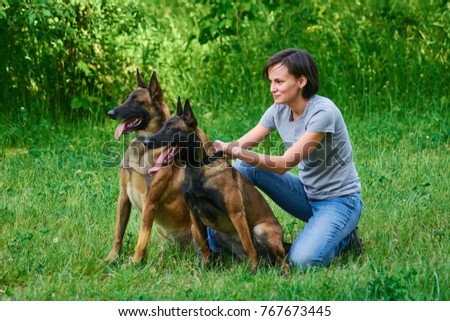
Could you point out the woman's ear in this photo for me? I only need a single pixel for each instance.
(302, 81)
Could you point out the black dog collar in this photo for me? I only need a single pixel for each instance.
(210, 159)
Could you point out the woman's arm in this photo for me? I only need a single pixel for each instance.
(253, 137)
(279, 164)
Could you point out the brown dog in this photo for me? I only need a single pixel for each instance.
(217, 195)
(158, 196)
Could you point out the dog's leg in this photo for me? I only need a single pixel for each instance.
(234, 204)
(149, 208)
(240, 223)
(122, 217)
(148, 216)
(268, 240)
(276, 244)
(200, 234)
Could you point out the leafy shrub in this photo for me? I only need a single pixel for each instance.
(69, 58)
(60, 57)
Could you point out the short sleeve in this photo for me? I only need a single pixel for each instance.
(268, 119)
(323, 120)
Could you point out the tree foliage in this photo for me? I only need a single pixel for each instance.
(65, 58)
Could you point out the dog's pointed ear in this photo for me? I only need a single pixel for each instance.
(179, 107)
(188, 114)
(140, 82)
(155, 90)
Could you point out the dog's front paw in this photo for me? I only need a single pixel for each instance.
(111, 258)
(253, 271)
(136, 259)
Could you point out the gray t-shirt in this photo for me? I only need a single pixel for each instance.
(328, 170)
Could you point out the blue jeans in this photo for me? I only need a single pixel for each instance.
(328, 222)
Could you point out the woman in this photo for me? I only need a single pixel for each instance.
(327, 193)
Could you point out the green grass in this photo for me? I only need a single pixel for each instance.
(57, 215)
(384, 64)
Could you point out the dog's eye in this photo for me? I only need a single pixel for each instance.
(171, 129)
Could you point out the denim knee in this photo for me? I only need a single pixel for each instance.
(303, 261)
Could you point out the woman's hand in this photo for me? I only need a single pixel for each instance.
(224, 147)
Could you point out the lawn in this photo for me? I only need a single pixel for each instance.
(64, 64)
(58, 213)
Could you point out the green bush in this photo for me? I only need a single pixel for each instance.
(58, 58)
(66, 60)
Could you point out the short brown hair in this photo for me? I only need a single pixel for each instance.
(299, 63)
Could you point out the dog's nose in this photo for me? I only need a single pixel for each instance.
(112, 114)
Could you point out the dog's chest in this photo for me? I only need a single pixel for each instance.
(137, 188)
(134, 194)
(138, 159)
(205, 202)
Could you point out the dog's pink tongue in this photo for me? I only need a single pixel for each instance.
(119, 130)
(159, 161)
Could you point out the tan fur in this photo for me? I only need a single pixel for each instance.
(249, 213)
(219, 197)
(158, 197)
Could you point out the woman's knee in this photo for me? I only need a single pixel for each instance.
(304, 261)
(305, 254)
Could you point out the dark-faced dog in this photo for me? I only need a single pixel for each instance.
(157, 196)
(217, 195)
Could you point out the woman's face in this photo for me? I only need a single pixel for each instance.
(284, 86)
